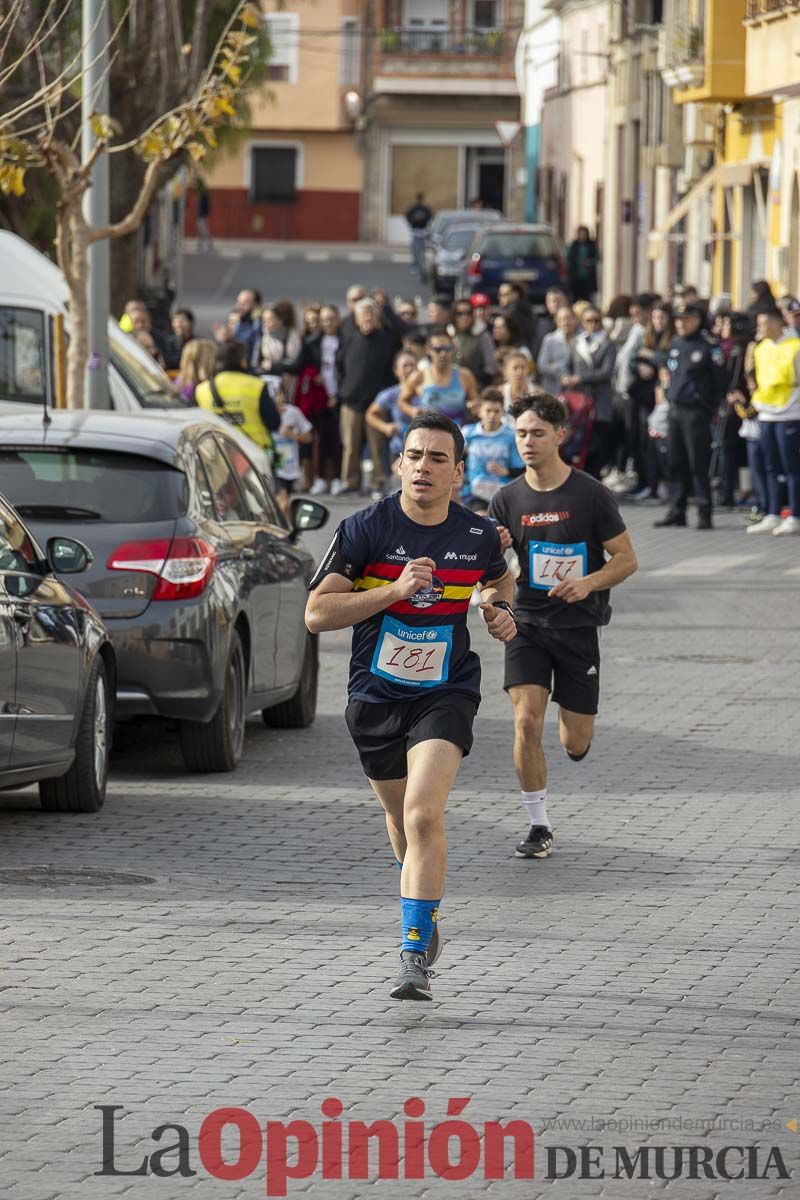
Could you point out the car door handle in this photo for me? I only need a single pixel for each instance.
(23, 616)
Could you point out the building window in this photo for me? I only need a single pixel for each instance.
(350, 72)
(274, 174)
(487, 14)
(283, 29)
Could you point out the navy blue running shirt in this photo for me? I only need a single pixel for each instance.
(420, 643)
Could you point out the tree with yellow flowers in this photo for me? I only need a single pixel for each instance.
(38, 132)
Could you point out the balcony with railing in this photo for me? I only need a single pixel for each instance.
(772, 47)
(683, 45)
(702, 50)
(757, 10)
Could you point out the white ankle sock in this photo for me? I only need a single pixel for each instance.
(535, 804)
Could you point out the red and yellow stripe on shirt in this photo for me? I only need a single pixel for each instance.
(458, 587)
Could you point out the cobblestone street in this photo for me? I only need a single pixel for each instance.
(207, 942)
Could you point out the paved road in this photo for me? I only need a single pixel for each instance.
(646, 973)
(212, 281)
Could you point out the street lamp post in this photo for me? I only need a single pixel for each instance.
(95, 66)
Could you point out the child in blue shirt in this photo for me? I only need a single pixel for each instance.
(492, 459)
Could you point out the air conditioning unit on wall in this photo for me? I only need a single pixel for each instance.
(698, 125)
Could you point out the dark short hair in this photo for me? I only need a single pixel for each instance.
(544, 406)
(230, 355)
(774, 314)
(491, 395)
(442, 301)
(184, 312)
(430, 419)
(642, 300)
(437, 331)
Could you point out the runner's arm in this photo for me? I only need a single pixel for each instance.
(619, 567)
(498, 589)
(334, 605)
(408, 391)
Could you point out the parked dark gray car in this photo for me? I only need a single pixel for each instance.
(57, 673)
(201, 583)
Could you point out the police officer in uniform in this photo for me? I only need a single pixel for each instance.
(697, 385)
(239, 397)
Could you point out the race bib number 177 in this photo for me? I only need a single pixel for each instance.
(550, 563)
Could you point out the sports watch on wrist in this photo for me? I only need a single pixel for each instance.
(506, 607)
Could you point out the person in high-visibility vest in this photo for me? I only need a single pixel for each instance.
(241, 398)
(777, 402)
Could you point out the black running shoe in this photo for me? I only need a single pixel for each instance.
(537, 844)
(435, 946)
(413, 980)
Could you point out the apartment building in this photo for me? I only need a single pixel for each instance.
(572, 162)
(298, 172)
(644, 151)
(440, 74)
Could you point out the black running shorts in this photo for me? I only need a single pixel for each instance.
(565, 661)
(384, 733)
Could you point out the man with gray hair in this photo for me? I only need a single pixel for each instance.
(364, 367)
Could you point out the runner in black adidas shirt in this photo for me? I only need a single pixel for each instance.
(402, 573)
(573, 547)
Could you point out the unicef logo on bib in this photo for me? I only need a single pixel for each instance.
(428, 597)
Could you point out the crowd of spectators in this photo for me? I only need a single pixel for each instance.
(346, 385)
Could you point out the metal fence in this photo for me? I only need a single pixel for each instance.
(762, 8)
(443, 41)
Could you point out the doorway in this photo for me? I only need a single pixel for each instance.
(486, 177)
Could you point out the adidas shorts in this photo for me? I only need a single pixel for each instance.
(384, 733)
(565, 661)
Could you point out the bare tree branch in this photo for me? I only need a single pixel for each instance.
(133, 220)
(200, 41)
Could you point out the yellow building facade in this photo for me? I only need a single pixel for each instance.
(737, 63)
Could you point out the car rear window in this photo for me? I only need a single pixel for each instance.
(96, 485)
(460, 238)
(519, 245)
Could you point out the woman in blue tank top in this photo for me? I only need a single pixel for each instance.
(452, 391)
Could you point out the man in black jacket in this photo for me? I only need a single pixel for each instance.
(364, 368)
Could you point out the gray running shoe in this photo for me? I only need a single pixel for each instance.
(413, 980)
(435, 946)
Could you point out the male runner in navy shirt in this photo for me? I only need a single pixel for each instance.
(402, 573)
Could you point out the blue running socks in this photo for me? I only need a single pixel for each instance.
(419, 918)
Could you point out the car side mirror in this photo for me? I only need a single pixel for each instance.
(68, 556)
(307, 514)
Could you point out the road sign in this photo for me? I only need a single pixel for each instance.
(508, 131)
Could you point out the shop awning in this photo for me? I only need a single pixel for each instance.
(655, 239)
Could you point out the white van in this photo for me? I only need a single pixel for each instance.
(32, 292)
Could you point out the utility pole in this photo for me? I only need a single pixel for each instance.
(95, 62)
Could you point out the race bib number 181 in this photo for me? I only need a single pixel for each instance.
(412, 656)
(550, 563)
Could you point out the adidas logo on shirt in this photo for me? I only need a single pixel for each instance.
(592, 671)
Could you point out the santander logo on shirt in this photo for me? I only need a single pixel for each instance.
(546, 518)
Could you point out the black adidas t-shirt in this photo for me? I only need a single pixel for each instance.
(559, 535)
(421, 643)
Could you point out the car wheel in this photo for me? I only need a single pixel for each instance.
(216, 745)
(300, 710)
(83, 788)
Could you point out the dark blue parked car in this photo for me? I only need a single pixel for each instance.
(528, 254)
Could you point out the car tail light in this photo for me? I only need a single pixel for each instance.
(563, 273)
(474, 269)
(182, 565)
